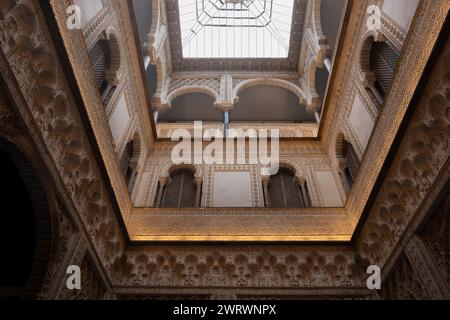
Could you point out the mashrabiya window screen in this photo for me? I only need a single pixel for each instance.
(100, 56)
(284, 192)
(180, 191)
(352, 160)
(383, 61)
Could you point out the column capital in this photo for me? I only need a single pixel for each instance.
(368, 79)
(163, 181)
(300, 180)
(198, 181)
(341, 164)
(225, 106)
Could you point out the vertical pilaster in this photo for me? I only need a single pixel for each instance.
(265, 181)
(426, 269)
(198, 193)
(160, 191)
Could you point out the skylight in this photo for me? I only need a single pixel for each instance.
(235, 28)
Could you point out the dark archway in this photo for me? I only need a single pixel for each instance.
(25, 231)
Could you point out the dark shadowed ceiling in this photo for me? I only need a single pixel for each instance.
(192, 107)
(266, 103)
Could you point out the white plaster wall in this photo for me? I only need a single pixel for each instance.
(119, 120)
(232, 189)
(142, 189)
(89, 9)
(361, 122)
(328, 189)
(401, 11)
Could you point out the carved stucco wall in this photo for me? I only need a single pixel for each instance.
(89, 232)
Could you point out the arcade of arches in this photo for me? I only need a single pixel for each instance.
(88, 116)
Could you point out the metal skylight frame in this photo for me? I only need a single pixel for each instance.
(235, 28)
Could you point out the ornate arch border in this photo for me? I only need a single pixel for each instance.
(273, 82)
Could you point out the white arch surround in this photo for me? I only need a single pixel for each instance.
(290, 165)
(273, 82)
(171, 167)
(167, 103)
(366, 76)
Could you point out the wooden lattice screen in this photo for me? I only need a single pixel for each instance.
(383, 61)
(284, 192)
(100, 56)
(180, 191)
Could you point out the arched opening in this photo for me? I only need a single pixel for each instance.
(378, 62)
(269, 103)
(181, 190)
(25, 231)
(352, 161)
(100, 56)
(126, 165)
(383, 61)
(349, 163)
(129, 161)
(285, 191)
(105, 62)
(189, 107)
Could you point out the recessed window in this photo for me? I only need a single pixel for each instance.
(236, 28)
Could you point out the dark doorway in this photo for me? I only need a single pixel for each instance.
(25, 229)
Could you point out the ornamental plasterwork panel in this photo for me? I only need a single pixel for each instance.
(137, 91)
(349, 131)
(256, 195)
(145, 194)
(397, 101)
(342, 76)
(293, 148)
(311, 170)
(210, 83)
(393, 31)
(233, 267)
(113, 102)
(368, 101)
(422, 157)
(57, 131)
(93, 29)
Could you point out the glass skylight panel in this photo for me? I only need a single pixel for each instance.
(235, 28)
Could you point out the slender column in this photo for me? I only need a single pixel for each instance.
(162, 185)
(198, 194)
(226, 123)
(328, 65)
(376, 93)
(106, 92)
(301, 182)
(265, 181)
(317, 115)
(146, 62)
(368, 81)
(341, 165)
